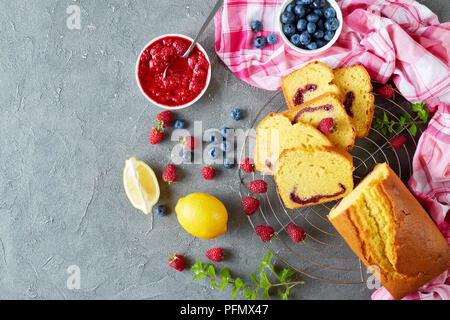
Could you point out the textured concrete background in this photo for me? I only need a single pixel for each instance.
(71, 114)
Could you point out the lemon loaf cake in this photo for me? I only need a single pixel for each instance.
(324, 109)
(309, 82)
(276, 133)
(387, 228)
(307, 177)
(358, 100)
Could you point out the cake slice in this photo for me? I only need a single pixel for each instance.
(307, 177)
(309, 82)
(358, 100)
(387, 228)
(327, 108)
(276, 133)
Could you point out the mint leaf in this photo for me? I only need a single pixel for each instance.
(413, 129)
(239, 284)
(265, 294)
(233, 293)
(210, 271)
(263, 281)
(285, 273)
(247, 293)
(254, 279)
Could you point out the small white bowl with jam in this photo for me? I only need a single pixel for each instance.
(167, 79)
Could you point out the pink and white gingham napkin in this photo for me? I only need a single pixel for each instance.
(400, 38)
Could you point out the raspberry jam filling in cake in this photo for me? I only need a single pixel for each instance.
(348, 102)
(295, 198)
(168, 78)
(269, 164)
(325, 107)
(298, 97)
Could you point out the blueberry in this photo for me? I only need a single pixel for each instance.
(259, 42)
(256, 25)
(305, 38)
(290, 7)
(328, 35)
(179, 124)
(187, 156)
(319, 3)
(287, 17)
(225, 146)
(318, 34)
(311, 27)
(319, 12)
(312, 46)
(228, 163)
(306, 1)
(320, 24)
(272, 38)
(312, 17)
(213, 136)
(212, 153)
(236, 114)
(320, 43)
(295, 39)
(226, 132)
(301, 24)
(289, 29)
(332, 24)
(329, 13)
(300, 10)
(160, 211)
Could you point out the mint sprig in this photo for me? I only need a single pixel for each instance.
(263, 285)
(384, 124)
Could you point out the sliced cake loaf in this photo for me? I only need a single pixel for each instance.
(328, 115)
(388, 229)
(307, 177)
(358, 100)
(276, 133)
(309, 82)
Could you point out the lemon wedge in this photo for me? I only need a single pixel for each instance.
(141, 185)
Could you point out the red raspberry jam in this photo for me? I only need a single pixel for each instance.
(185, 78)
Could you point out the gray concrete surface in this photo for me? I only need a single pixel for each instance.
(71, 114)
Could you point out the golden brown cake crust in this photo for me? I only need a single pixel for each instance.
(371, 106)
(422, 251)
(315, 62)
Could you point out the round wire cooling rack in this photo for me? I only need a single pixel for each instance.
(324, 255)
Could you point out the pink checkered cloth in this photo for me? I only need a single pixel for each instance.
(401, 39)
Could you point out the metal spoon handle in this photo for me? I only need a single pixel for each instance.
(202, 29)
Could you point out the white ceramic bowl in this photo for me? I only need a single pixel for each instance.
(334, 5)
(186, 104)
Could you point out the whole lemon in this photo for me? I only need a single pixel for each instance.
(202, 215)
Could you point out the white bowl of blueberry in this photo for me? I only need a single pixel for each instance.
(310, 26)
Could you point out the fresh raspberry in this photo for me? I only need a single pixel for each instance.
(164, 119)
(177, 262)
(155, 135)
(265, 232)
(189, 143)
(215, 254)
(397, 141)
(296, 233)
(327, 126)
(247, 165)
(386, 91)
(251, 204)
(170, 173)
(257, 186)
(208, 172)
